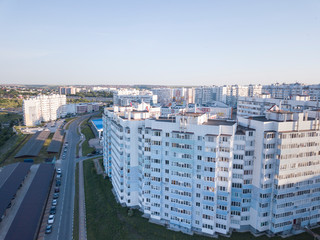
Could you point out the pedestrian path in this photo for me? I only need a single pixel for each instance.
(82, 205)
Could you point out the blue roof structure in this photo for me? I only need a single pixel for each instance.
(98, 124)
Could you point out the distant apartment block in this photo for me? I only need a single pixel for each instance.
(195, 174)
(257, 106)
(42, 108)
(126, 97)
(103, 89)
(68, 90)
(286, 91)
(227, 94)
(182, 96)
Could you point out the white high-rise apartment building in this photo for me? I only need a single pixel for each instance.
(42, 108)
(227, 94)
(259, 174)
(164, 95)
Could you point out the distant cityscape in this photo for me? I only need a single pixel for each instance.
(207, 160)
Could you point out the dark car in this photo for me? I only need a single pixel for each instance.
(53, 210)
(55, 195)
(58, 182)
(57, 189)
(48, 229)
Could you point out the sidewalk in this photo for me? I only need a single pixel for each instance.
(82, 205)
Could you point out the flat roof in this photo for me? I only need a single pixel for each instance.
(27, 221)
(12, 184)
(98, 124)
(164, 119)
(56, 141)
(34, 145)
(260, 118)
(219, 122)
(5, 172)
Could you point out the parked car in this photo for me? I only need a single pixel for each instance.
(51, 219)
(53, 210)
(55, 195)
(54, 202)
(59, 170)
(58, 182)
(58, 176)
(48, 229)
(56, 189)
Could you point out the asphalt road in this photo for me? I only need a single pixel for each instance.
(63, 224)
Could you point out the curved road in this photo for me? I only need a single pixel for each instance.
(63, 224)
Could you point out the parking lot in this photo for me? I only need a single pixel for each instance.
(51, 215)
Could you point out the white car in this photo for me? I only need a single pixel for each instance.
(59, 170)
(54, 202)
(51, 219)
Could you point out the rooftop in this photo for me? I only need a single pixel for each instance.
(219, 122)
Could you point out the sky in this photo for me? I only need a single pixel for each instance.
(174, 42)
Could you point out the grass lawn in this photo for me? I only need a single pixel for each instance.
(8, 157)
(106, 219)
(86, 130)
(76, 206)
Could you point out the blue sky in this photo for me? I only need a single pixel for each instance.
(159, 42)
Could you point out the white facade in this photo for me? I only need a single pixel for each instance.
(257, 106)
(164, 95)
(227, 94)
(42, 108)
(212, 176)
(126, 97)
(286, 91)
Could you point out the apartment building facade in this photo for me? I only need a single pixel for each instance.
(227, 94)
(286, 91)
(126, 97)
(213, 177)
(259, 105)
(42, 108)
